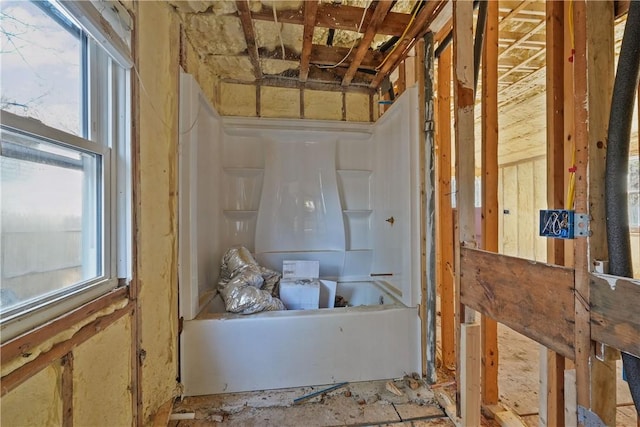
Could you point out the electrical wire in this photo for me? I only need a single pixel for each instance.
(352, 44)
(406, 30)
(571, 190)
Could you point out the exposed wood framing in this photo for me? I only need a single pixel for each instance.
(445, 213)
(310, 10)
(514, 12)
(522, 39)
(24, 345)
(552, 384)
(402, 78)
(428, 228)
(381, 9)
(532, 298)
(489, 150)
(291, 82)
(581, 250)
(422, 20)
(20, 375)
(331, 55)
(614, 312)
(468, 365)
(470, 383)
(249, 34)
(66, 385)
(600, 62)
(340, 17)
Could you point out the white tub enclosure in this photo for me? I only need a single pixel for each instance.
(346, 194)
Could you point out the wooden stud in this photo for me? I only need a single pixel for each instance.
(569, 122)
(428, 226)
(489, 219)
(468, 390)
(20, 375)
(302, 103)
(382, 7)
(552, 386)
(581, 255)
(66, 385)
(445, 212)
(250, 37)
(344, 106)
(310, 10)
(600, 63)
(401, 82)
(371, 106)
(470, 381)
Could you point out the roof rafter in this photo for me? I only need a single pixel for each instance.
(425, 16)
(247, 26)
(380, 12)
(310, 12)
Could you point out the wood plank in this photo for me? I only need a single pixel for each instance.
(470, 374)
(489, 218)
(532, 298)
(66, 385)
(468, 388)
(293, 82)
(24, 344)
(526, 36)
(422, 21)
(20, 375)
(615, 319)
(380, 10)
(526, 221)
(249, 35)
(331, 55)
(310, 10)
(505, 19)
(600, 60)
(445, 212)
(582, 329)
(339, 17)
(552, 384)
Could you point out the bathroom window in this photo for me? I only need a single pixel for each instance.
(64, 181)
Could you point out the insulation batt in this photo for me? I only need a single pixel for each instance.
(245, 286)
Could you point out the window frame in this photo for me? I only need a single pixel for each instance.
(107, 129)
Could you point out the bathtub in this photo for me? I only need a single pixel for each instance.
(376, 337)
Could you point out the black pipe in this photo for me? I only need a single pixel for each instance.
(479, 41)
(617, 166)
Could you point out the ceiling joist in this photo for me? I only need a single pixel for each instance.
(247, 26)
(310, 11)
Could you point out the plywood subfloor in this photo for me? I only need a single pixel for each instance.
(365, 403)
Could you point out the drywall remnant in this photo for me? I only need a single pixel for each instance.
(237, 100)
(216, 35)
(279, 102)
(357, 107)
(103, 396)
(36, 402)
(322, 105)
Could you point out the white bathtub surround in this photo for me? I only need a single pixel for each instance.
(334, 192)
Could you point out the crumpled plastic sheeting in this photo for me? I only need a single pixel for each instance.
(245, 286)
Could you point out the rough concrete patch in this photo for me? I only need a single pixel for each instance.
(267, 35)
(231, 67)
(276, 66)
(229, 37)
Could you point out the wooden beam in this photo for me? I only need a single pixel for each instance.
(552, 386)
(24, 345)
(445, 212)
(600, 63)
(470, 383)
(294, 82)
(468, 366)
(339, 17)
(523, 64)
(66, 386)
(581, 248)
(249, 35)
(331, 55)
(615, 320)
(421, 22)
(539, 307)
(381, 8)
(514, 12)
(489, 150)
(523, 39)
(22, 374)
(310, 10)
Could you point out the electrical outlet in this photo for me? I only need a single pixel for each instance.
(557, 223)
